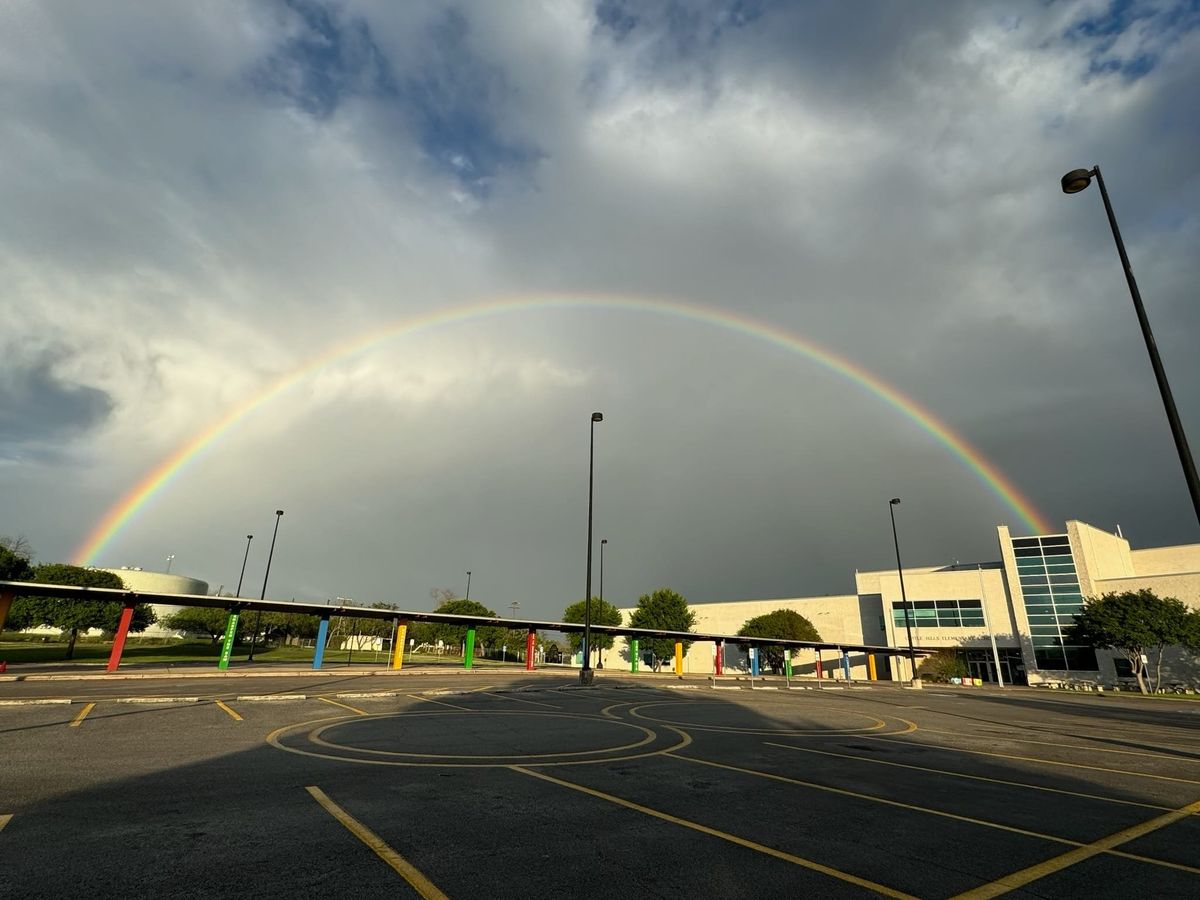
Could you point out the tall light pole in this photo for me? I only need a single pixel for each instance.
(586, 674)
(266, 575)
(170, 559)
(514, 606)
(908, 616)
(1072, 183)
(468, 597)
(245, 557)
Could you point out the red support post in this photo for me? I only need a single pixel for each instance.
(820, 674)
(6, 602)
(530, 645)
(719, 658)
(114, 658)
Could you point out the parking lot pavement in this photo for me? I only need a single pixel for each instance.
(502, 787)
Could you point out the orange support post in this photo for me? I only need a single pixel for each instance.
(114, 658)
(6, 602)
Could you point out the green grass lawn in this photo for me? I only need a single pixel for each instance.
(16, 652)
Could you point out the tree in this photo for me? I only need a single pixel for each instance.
(1133, 623)
(200, 620)
(942, 666)
(453, 635)
(15, 556)
(782, 623)
(603, 613)
(663, 610)
(73, 615)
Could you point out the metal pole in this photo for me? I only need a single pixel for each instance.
(245, 557)
(468, 597)
(1160, 374)
(988, 624)
(266, 575)
(908, 616)
(585, 674)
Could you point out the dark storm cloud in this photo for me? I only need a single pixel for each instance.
(40, 410)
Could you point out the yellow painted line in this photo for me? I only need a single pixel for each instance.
(608, 710)
(999, 736)
(723, 835)
(873, 799)
(353, 709)
(78, 720)
(232, 712)
(1032, 759)
(952, 774)
(4, 820)
(517, 699)
(403, 867)
(439, 702)
(1048, 867)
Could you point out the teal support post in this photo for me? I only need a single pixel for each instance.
(633, 655)
(322, 637)
(845, 665)
(227, 644)
(469, 650)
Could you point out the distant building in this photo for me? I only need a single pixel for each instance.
(1026, 599)
(137, 579)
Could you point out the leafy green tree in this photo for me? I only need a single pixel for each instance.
(453, 635)
(283, 625)
(73, 615)
(1191, 631)
(200, 620)
(603, 613)
(782, 623)
(1133, 623)
(666, 610)
(15, 557)
(942, 666)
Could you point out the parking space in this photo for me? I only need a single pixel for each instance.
(510, 786)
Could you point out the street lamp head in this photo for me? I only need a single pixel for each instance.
(597, 417)
(895, 501)
(604, 541)
(1076, 180)
(249, 537)
(279, 512)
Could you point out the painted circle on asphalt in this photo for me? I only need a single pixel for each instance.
(381, 739)
(693, 719)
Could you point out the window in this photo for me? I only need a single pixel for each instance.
(1123, 666)
(941, 613)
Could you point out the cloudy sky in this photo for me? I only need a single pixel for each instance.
(197, 199)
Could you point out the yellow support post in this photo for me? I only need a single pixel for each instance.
(398, 645)
(871, 667)
(679, 657)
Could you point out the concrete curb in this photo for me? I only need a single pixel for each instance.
(35, 702)
(272, 697)
(154, 700)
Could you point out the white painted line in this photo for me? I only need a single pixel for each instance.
(273, 697)
(725, 687)
(369, 694)
(681, 687)
(158, 699)
(764, 688)
(35, 702)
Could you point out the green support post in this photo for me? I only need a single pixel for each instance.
(633, 655)
(227, 645)
(469, 651)
(787, 663)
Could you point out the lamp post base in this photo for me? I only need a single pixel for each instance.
(916, 683)
(587, 676)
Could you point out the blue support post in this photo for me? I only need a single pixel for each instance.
(753, 662)
(322, 635)
(845, 665)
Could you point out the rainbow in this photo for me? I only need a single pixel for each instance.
(125, 510)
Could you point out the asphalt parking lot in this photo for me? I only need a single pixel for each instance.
(497, 785)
